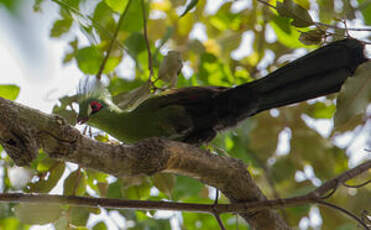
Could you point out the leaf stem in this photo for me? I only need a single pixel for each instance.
(110, 46)
(150, 64)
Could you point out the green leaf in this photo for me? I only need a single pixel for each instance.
(37, 5)
(45, 163)
(60, 27)
(283, 169)
(189, 7)
(62, 109)
(111, 64)
(285, 32)
(312, 37)
(61, 223)
(138, 192)
(10, 223)
(304, 3)
(186, 187)
(11, 5)
(97, 181)
(114, 190)
(117, 5)
(296, 213)
(45, 184)
(135, 43)
(75, 184)
(354, 97)
(9, 92)
(133, 21)
(321, 110)
(80, 215)
(267, 128)
(366, 11)
(164, 182)
(104, 21)
(69, 3)
(37, 213)
(100, 226)
(292, 10)
(89, 59)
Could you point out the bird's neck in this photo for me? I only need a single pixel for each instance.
(112, 120)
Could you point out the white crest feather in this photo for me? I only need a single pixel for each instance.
(90, 87)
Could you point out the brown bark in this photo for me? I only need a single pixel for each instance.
(23, 131)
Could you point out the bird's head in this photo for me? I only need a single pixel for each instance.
(89, 108)
(93, 97)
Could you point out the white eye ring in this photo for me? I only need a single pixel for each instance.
(90, 110)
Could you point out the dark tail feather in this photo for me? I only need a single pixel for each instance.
(318, 73)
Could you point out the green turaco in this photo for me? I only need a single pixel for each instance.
(195, 114)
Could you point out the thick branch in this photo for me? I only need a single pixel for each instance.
(24, 130)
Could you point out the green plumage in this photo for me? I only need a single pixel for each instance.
(154, 117)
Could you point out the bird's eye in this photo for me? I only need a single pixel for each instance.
(94, 107)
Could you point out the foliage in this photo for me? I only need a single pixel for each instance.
(275, 34)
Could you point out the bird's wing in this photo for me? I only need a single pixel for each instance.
(183, 96)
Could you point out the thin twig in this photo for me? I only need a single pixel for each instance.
(267, 4)
(216, 196)
(336, 27)
(220, 222)
(215, 212)
(327, 186)
(110, 46)
(330, 193)
(150, 64)
(357, 185)
(365, 217)
(346, 212)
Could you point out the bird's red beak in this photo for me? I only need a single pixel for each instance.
(82, 120)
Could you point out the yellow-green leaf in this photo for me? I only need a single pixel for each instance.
(321, 110)
(60, 27)
(9, 92)
(75, 184)
(100, 226)
(164, 182)
(286, 34)
(46, 184)
(117, 5)
(89, 59)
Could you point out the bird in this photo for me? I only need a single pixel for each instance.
(196, 114)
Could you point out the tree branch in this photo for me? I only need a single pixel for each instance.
(342, 178)
(24, 130)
